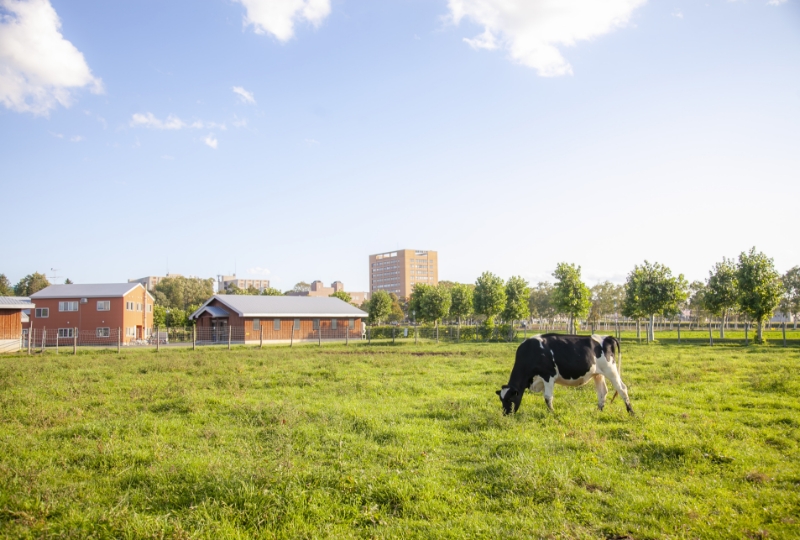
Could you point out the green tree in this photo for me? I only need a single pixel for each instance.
(269, 291)
(461, 306)
(30, 284)
(396, 314)
(180, 292)
(517, 295)
(607, 299)
(790, 303)
(343, 296)
(301, 286)
(176, 318)
(540, 301)
(380, 305)
(232, 288)
(652, 290)
(571, 296)
(722, 291)
(760, 288)
(437, 303)
(5, 286)
(68, 282)
(489, 297)
(159, 316)
(697, 301)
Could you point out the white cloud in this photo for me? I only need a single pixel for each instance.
(57, 135)
(172, 122)
(244, 95)
(39, 69)
(678, 14)
(211, 141)
(277, 17)
(239, 122)
(259, 271)
(532, 30)
(76, 138)
(776, 2)
(149, 120)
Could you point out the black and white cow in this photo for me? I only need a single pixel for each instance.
(550, 359)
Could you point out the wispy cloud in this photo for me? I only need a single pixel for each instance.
(244, 95)
(533, 30)
(56, 135)
(39, 69)
(149, 120)
(76, 138)
(239, 122)
(678, 14)
(776, 2)
(211, 141)
(278, 17)
(172, 122)
(258, 271)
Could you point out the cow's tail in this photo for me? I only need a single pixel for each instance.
(619, 366)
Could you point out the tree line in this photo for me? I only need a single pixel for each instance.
(749, 287)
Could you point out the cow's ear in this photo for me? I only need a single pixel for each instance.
(498, 392)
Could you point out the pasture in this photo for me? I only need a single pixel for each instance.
(396, 441)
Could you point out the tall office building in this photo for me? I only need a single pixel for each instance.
(398, 271)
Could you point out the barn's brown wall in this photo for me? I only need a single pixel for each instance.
(10, 323)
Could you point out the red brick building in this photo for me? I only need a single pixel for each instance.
(98, 309)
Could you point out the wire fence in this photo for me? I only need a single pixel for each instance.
(70, 339)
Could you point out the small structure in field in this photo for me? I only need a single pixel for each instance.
(11, 315)
(252, 319)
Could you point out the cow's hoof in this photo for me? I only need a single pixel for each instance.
(600, 407)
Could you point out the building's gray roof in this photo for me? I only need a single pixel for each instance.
(215, 311)
(16, 302)
(97, 290)
(285, 306)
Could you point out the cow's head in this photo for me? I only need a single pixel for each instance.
(510, 398)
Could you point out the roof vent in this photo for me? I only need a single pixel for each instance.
(84, 300)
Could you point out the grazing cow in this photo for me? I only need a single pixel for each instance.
(542, 361)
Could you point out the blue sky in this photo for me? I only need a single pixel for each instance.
(507, 136)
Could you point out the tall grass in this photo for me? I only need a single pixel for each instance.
(395, 441)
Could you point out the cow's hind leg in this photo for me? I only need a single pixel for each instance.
(610, 371)
(549, 386)
(601, 389)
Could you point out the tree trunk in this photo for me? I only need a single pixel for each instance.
(759, 332)
(638, 329)
(652, 336)
(722, 325)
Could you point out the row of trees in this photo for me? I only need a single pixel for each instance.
(32, 283)
(749, 286)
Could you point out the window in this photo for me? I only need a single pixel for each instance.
(68, 306)
(276, 324)
(150, 308)
(130, 331)
(352, 323)
(138, 307)
(103, 332)
(129, 306)
(334, 324)
(104, 305)
(296, 324)
(42, 313)
(66, 332)
(316, 324)
(256, 325)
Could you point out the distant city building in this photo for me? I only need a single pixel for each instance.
(398, 271)
(225, 282)
(318, 289)
(358, 298)
(150, 282)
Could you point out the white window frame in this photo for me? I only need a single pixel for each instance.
(276, 324)
(67, 305)
(42, 312)
(104, 305)
(66, 332)
(102, 331)
(256, 325)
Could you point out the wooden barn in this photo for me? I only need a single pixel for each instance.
(11, 315)
(251, 319)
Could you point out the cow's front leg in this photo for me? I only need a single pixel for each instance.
(549, 386)
(601, 389)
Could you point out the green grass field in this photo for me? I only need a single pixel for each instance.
(395, 442)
